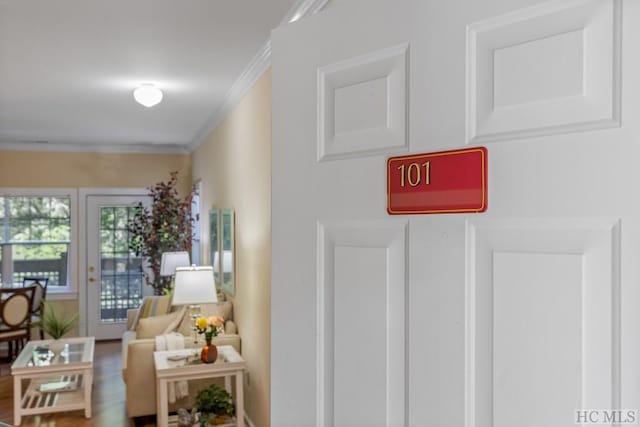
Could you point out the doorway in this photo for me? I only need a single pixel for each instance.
(113, 274)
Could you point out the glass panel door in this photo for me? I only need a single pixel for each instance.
(114, 273)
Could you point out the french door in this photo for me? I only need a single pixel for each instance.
(114, 274)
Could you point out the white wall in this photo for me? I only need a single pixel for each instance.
(233, 164)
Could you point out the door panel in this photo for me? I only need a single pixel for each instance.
(542, 320)
(361, 358)
(362, 104)
(536, 318)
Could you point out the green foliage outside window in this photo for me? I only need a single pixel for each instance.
(38, 227)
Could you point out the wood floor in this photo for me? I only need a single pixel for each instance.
(108, 405)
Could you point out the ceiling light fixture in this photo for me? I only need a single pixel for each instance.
(148, 95)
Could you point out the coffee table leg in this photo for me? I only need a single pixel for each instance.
(17, 397)
(240, 399)
(88, 387)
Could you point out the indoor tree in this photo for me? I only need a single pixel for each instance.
(165, 227)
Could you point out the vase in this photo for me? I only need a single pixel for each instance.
(209, 352)
(56, 346)
(219, 420)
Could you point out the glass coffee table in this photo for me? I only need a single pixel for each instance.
(55, 381)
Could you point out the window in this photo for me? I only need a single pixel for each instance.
(36, 236)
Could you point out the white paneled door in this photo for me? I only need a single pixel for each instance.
(525, 315)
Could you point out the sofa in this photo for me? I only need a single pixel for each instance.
(157, 317)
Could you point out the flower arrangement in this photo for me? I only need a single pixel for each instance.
(209, 326)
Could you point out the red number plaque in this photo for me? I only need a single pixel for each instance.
(443, 182)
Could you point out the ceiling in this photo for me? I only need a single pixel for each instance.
(68, 69)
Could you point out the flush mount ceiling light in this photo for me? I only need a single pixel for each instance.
(148, 95)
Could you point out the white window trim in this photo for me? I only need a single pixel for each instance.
(70, 291)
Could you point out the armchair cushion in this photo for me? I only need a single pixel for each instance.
(151, 306)
(149, 327)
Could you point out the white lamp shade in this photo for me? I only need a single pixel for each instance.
(194, 285)
(172, 260)
(147, 95)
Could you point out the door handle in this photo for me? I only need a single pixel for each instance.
(91, 280)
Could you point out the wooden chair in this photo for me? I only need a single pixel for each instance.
(15, 313)
(37, 306)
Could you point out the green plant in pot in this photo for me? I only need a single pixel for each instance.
(214, 405)
(165, 227)
(56, 326)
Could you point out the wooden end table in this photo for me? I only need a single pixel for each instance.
(229, 364)
(57, 382)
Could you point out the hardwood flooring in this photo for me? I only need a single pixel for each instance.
(108, 401)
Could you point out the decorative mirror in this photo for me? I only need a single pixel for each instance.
(221, 226)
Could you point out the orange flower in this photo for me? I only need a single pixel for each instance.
(216, 321)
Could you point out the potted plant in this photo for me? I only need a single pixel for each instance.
(165, 227)
(215, 406)
(55, 326)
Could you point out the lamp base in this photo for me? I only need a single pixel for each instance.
(194, 313)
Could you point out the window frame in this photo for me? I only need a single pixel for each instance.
(70, 289)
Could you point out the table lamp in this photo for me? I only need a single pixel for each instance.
(172, 260)
(194, 286)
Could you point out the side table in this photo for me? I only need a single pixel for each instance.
(229, 364)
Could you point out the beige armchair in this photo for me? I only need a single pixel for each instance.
(138, 345)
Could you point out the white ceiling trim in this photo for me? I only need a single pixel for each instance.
(254, 70)
(95, 148)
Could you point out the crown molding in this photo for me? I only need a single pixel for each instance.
(96, 148)
(254, 70)
(249, 76)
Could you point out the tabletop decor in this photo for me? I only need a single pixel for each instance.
(209, 326)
